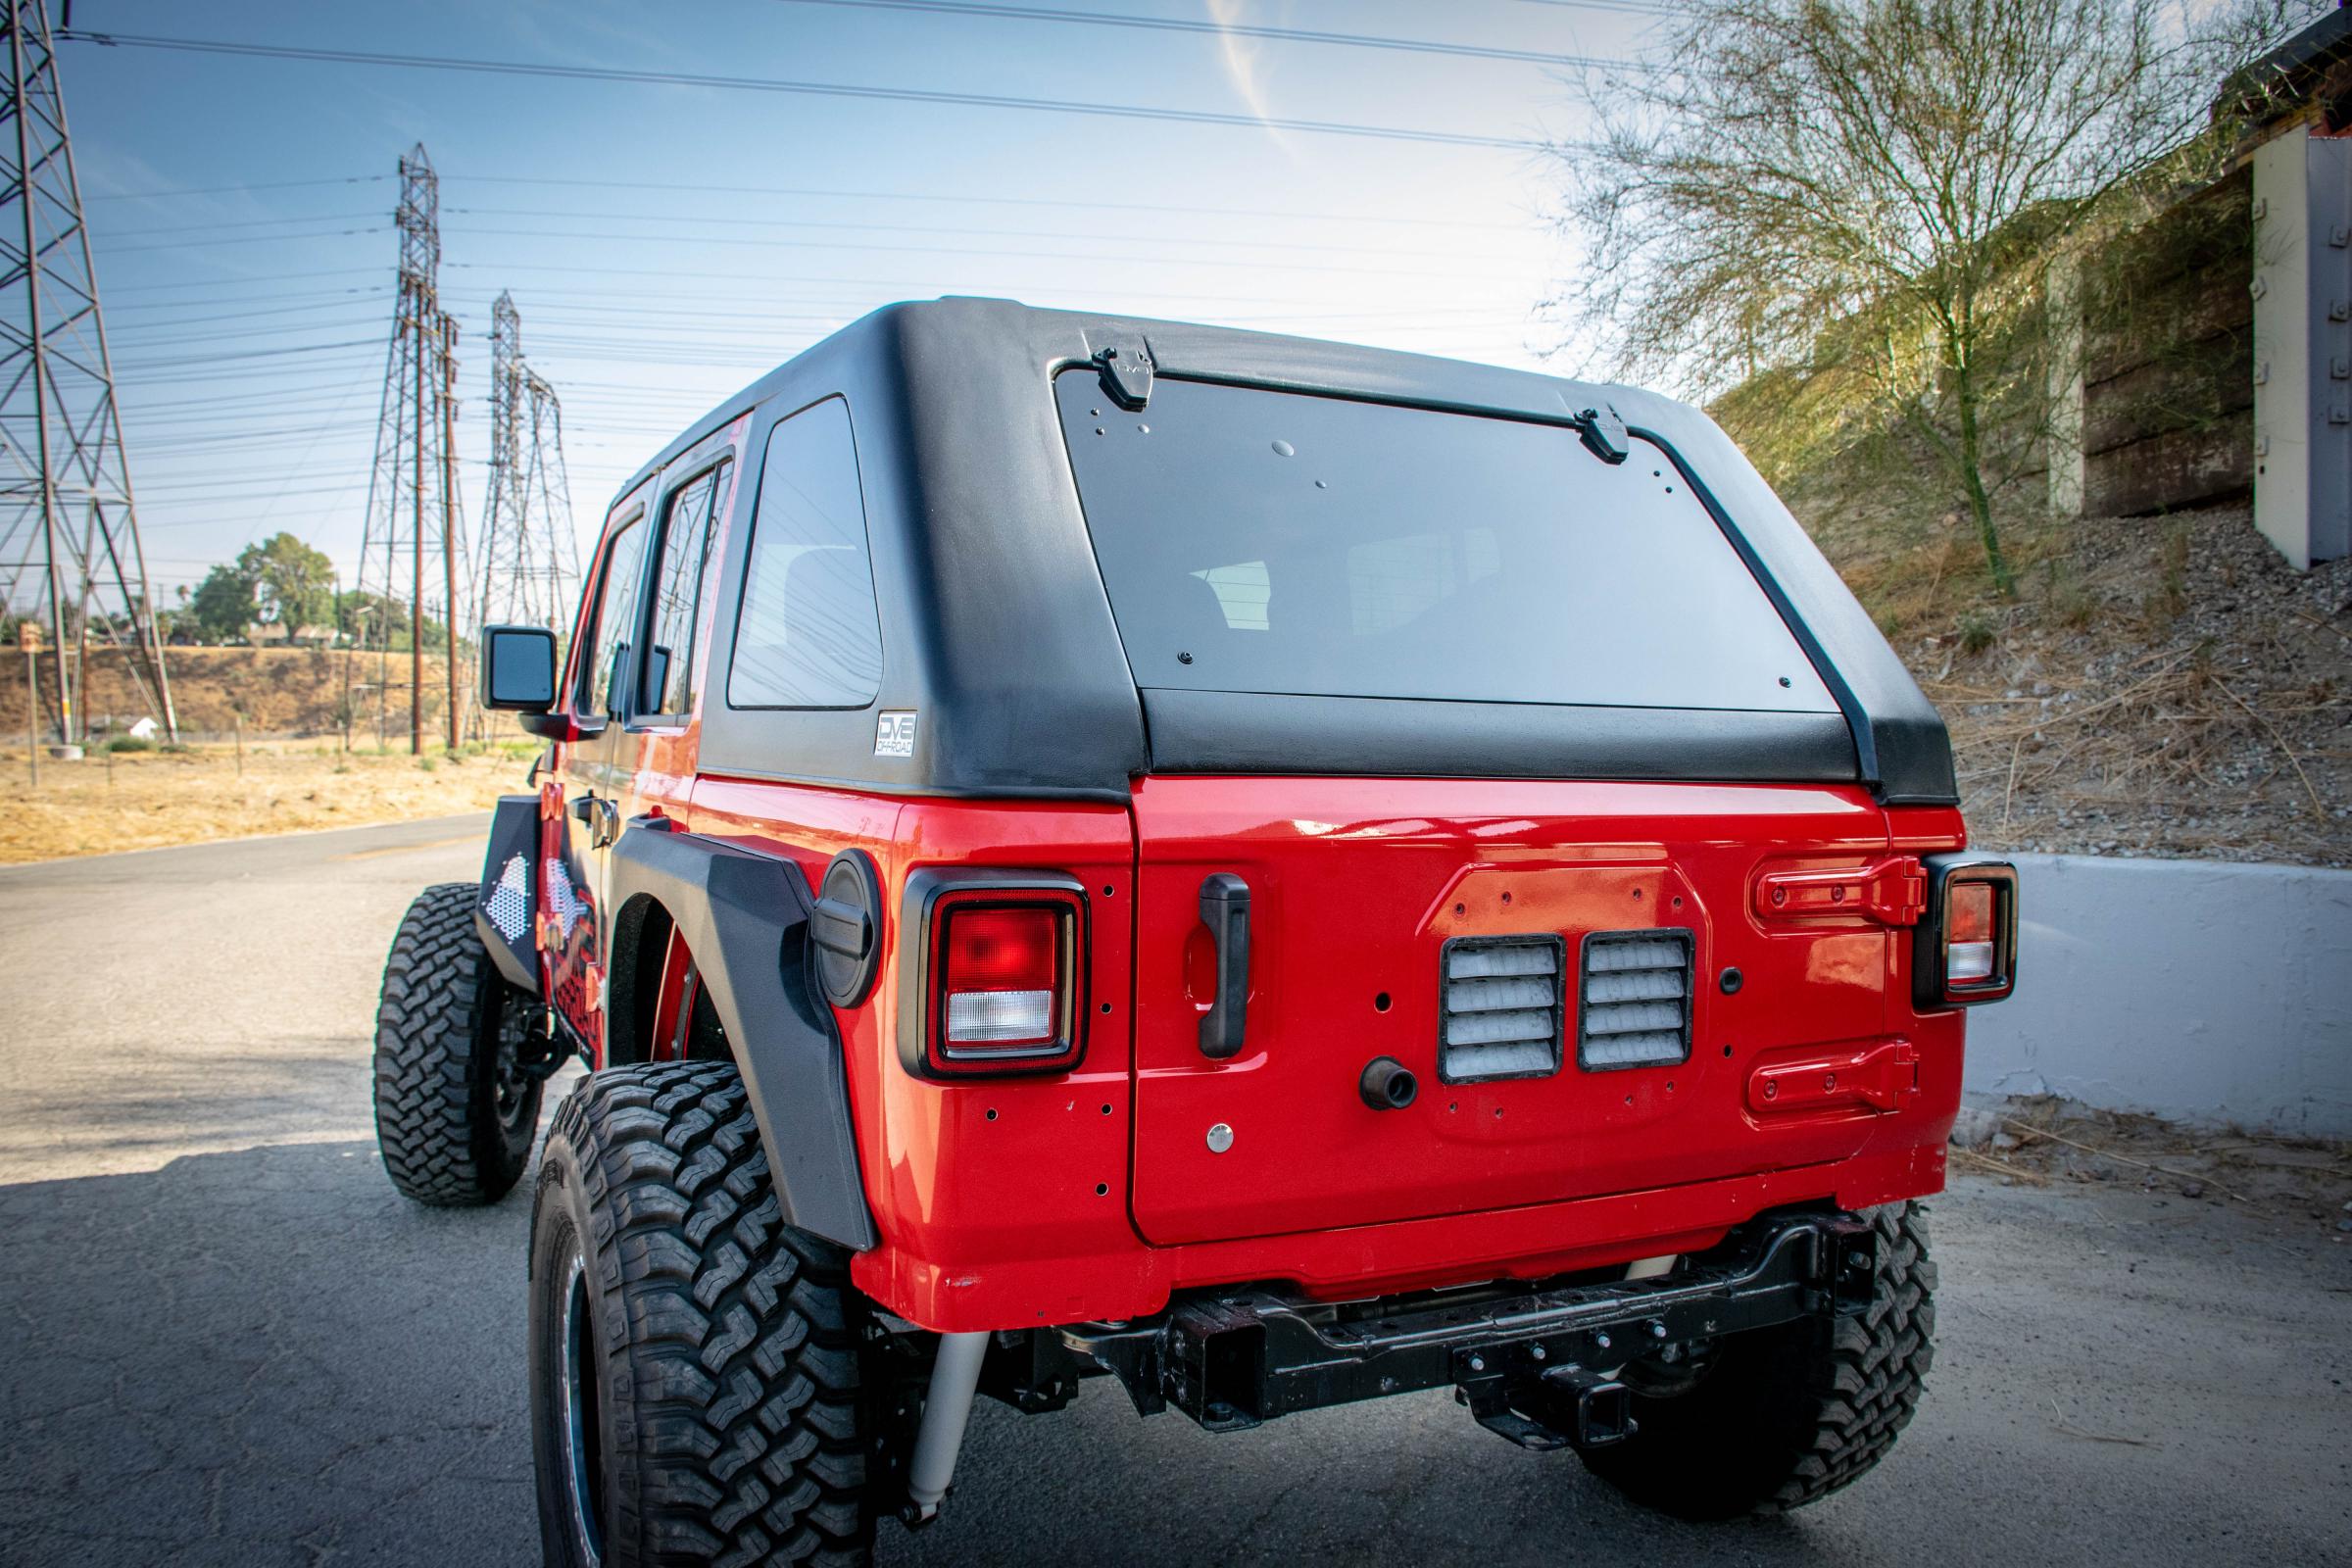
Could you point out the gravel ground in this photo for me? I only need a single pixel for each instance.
(232, 1343)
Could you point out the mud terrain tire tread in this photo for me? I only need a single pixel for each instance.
(739, 1432)
(1800, 1412)
(436, 1122)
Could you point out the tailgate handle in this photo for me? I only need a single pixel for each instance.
(1225, 911)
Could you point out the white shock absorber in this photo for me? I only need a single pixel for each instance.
(955, 1378)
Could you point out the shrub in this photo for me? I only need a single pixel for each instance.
(1977, 632)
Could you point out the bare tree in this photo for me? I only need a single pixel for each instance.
(1876, 183)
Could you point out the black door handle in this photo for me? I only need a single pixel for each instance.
(1225, 911)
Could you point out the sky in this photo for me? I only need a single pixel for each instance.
(665, 244)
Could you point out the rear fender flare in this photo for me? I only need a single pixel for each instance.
(745, 918)
(506, 913)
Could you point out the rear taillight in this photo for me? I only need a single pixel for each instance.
(999, 984)
(1000, 977)
(1966, 947)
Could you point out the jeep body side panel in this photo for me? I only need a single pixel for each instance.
(745, 916)
(973, 1177)
(625, 763)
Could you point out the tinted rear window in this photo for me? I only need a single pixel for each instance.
(1257, 541)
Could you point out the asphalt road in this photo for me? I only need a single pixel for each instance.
(229, 1340)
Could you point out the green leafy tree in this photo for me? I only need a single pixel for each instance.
(1878, 187)
(293, 584)
(222, 607)
(280, 581)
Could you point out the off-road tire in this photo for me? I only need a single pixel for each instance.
(721, 1370)
(1786, 1416)
(453, 1113)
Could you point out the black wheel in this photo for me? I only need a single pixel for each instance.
(696, 1366)
(1781, 1417)
(454, 1111)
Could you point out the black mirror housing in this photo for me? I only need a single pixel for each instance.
(518, 668)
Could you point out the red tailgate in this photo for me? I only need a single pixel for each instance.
(1355, 888)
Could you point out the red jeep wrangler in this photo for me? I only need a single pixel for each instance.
(1275, 872)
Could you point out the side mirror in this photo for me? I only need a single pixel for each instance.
(518, 668)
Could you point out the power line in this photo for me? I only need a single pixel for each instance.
(240, 239)
(1133, 259)
(220, 190)
(777, 85)
(248, 223)
(1162, 208)
(1214, 30)
(676, 231)
(250, 277)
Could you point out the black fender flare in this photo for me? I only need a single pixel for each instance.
(506, 913)
(745, 917)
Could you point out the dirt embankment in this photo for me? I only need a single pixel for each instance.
(2158, 686)
(279, 690)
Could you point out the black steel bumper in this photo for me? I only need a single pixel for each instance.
(1538, 1365)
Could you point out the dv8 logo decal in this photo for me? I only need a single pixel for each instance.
(894, 734)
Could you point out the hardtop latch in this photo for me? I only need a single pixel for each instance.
(1604, 432)
(1126, 367)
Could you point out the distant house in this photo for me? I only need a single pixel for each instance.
(145, 729)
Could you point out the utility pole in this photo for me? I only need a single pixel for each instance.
(413, 506)
(449, 511)
(417, 541)
(69, 527)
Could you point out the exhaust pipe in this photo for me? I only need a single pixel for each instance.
(955, 1379)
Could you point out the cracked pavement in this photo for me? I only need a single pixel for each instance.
(230, 1342)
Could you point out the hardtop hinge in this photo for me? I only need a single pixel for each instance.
(1126, 367)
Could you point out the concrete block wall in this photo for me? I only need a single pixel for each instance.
(2199, 991)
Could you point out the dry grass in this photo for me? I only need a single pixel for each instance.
(150, 799)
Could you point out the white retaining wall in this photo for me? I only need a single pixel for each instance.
(2200, 991)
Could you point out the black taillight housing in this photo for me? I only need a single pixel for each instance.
(992, 975)
(1964, 949)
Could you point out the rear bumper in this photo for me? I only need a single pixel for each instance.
(1538, 1365)
(1135, 1281)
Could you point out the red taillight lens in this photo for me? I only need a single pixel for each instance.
(1001, 978)
(1968, 944)
(1970, 916)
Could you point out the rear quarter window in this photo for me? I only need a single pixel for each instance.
(1276, 542)
(808, 635)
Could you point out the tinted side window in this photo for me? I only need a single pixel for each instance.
(668, 663)
(616, 612)
(808, 635)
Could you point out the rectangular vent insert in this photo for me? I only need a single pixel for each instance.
(1501, 1014)
(1634, 1006)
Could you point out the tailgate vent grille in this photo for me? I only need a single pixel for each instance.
(1500, 1016)
(1634, 1006)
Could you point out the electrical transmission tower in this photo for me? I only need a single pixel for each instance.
(409, 556)
(530, 556)
(70, 553)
